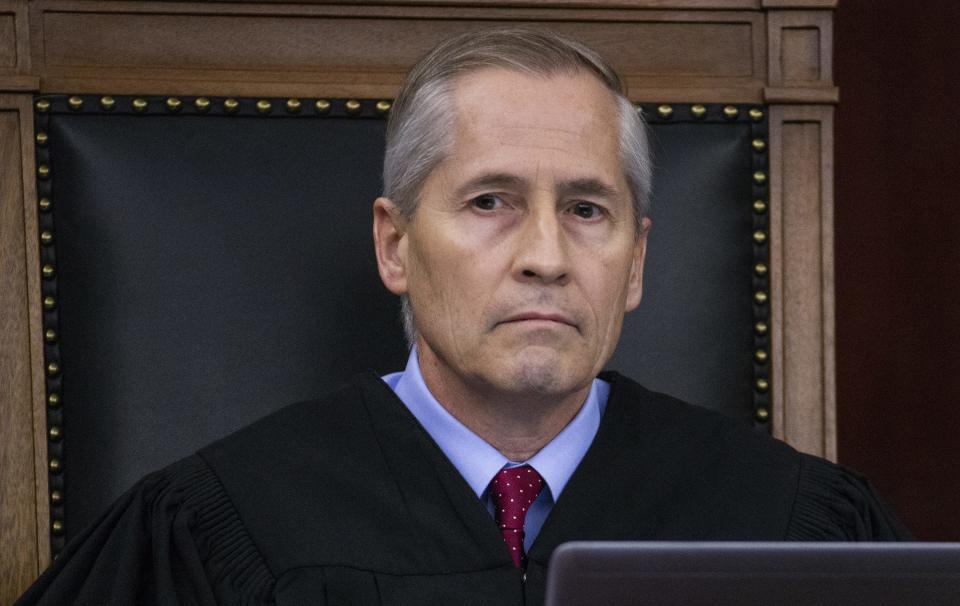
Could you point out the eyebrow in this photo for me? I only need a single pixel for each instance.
(565, 189)
(491, 180)
(586, 187)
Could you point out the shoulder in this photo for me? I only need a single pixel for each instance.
(795, 495)
(835, 503)
(291, 437)
(696, 429)
(175, 532)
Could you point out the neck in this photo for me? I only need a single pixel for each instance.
(517, 424)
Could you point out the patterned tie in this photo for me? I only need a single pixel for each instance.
(513, 490)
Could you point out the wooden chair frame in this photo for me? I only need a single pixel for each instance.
(775, 53)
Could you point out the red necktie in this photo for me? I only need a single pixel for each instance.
(513, 490)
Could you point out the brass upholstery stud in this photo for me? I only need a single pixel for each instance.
(264, 106)
(762, 385)
(55, 466)
(759, 236)
(353, 106)
(383, 107)
(759, 145)
(107, 103)
(665, 111)
(759, 207)
(139, 105)
(322, 105)
(75, 103)
(761, 328)
(759, 177)
(760, 269)
(42, 105)
(50, 335)
(55, 433)
(763, 415)
(760, 297)
(43, 171)
(42, 138)
(48, 271)
(293, 106)
(760, 356)
(202, 104)
(730, 112)
(56, 497)
(698, 111)
(46, 237)
(45, 204)
(53, 400)
(53, 369)
(57, 527)
(756, 114)
(231, 105)
(174, 104)
(49, 303)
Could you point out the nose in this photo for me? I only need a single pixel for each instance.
(542, 253)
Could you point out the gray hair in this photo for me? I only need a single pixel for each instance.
(421, 125)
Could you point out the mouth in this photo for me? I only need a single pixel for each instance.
(531, 318)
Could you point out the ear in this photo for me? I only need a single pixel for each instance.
(635, 284)
(390, 243)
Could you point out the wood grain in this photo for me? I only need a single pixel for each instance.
(8, 41)
(19, 525)
(14, 38)
(286, 50)
(801, 229)
(801, 49)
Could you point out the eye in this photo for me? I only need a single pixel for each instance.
(586, 210)
(487, 202)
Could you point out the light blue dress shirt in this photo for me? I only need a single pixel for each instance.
(478, 461)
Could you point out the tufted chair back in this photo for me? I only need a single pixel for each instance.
(209, 260)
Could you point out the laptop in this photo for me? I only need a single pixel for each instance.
(754, 574)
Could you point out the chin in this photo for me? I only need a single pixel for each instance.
(542, 376)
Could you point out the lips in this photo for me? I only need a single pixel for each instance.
(539, 316)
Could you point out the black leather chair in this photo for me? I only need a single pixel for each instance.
(208, 263)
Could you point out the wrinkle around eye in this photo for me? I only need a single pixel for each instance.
(487, 202)
(597, 211)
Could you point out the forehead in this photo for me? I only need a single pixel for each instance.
(568, 116)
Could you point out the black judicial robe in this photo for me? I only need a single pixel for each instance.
(347, 500)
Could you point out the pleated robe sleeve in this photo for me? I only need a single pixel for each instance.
(173, 539)
(836, 504)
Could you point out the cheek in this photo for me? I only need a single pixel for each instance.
(608, 286)
(449, 280)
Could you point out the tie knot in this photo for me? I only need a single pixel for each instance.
(513, 491)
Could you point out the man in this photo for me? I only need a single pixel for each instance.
(513, 224)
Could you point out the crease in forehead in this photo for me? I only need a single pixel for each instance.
(524, 104)
(542, 137)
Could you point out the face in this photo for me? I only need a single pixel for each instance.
(522, 256)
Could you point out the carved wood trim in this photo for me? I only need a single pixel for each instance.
(800, 57)
(24, 542)
(801, 259)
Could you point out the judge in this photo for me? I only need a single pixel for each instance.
(513, 224)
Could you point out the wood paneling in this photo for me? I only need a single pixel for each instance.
(279, 50)
(8, 40)
(801, 231)
(23, 525)
(801, 56)
(898, 256)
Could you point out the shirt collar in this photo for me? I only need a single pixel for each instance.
(478, 461)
